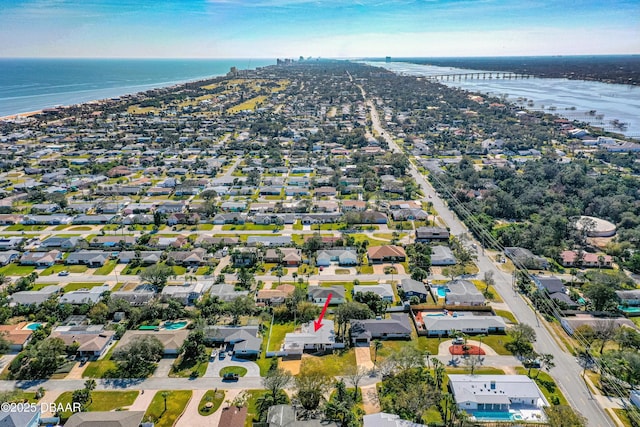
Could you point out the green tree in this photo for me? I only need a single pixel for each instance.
(522, 338)
(351, 310)
(193, 349)
(372, 300)
(276, 380)
(157, 275)
(563, 416)
(311, 383)
(137, 359)
(602, 296)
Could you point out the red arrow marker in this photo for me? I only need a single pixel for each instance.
(317, 324)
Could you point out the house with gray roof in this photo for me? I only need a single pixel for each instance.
(8, 257)
(345, 256)
(34, 297)
(413, 288)
(487, 396)
(8, 243)
(67, 243)
(146, 257)
(84, 296)
(431, 234)
(442, 255)
(21, 418)
(463, 292)
(41, 259)
(383, 419)
(242, 340)
(187, 293)
(396, 327)
(310, 339)
(226, 292)
(269, 240)
(383, 290)
(440, 326)
(171, 340)
(319, 294)
(106, 419)
(92, 259)
(136, 297)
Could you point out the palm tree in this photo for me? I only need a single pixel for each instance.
(377, 345)
(164, 395)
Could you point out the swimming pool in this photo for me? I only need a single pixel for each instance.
(442, 291)
(33, 326)
(175, 325)
(629, 309)
(436, 315)
(493, 416)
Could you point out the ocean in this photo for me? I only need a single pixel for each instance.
(33, 84)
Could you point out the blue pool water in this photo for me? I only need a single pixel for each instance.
(33, 326)
(493, 415)
(175, 325)
(442, 292)
(629, 309)
(436, 315)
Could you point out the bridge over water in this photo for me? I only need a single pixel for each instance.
(479, 76)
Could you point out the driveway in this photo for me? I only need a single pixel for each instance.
(164, 367)
(213, 370)
(363, 357)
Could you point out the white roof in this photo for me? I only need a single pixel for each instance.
(494, 388)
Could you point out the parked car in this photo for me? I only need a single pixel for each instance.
(230, 377)
(223, 354)
(63, 273)
(531, 364)
(214, 353)
(83, 361)
(458, 341)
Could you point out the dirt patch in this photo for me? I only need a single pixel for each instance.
(460, 350)
(363, 357)
(291, 365)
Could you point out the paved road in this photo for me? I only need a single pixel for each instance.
(567, 372)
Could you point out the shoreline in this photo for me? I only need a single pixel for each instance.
(21, 115)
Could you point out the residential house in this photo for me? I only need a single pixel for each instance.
(34, 297)
(187, 294)
(396, 327)
(66, 243)
(137, 297)
(10, 219)
(409, 215)
(169, 242)
(319, 294)
(9, 243)
(230, 218)
(413, 288)
(526, 258)
(93, 219)
(132, 219)
(287, 256)
(344, 257)
(242, 340)
(193, 258)
(492, 397)
(25, 418)
(226, 292)
(385, 254)
(244, 257)
(629, 298)
(230, 206)
(84, 296)
(18, 336)
(110, 419)
(442, 255)
(571, 323)
(585, 259)
(41, 259)
(285, 416)
(439, 326)
(432, 234)
(204, 241)
(46, 219)
(145, 257)
(93, 340)
(277, 219)
(8, 257)
(551, 284)
(269, 240)
(275, 296)
(183, 218)
(92, 259)
(354, 205)
(383, 290)
(232, 416)
(310, 339)
(171, 340)
(325, 192)
(462, 292)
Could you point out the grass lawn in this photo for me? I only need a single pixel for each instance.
(176, 402)
(20, 227)
(337, 363)
(179, 270)
(55, 269)
(98, 368)
(546, 384)
(390, 347)
(128, 271)
(17, 270)
(297, 225)
(636, 320)
(106, 269)
(78, 228)
(252, 410)
(507, 315)
(233, 370)
(180, 370)
(81, 285)
(480, 285)
(101, 400)
(497, 343)
(623, 416)
(372, 242)
(365, 269)
(118, 286)
(278, 330)
(342, 271)
(207, 227)
(248, 227)
(215, 397)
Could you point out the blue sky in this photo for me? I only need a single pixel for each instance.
(290, 28)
